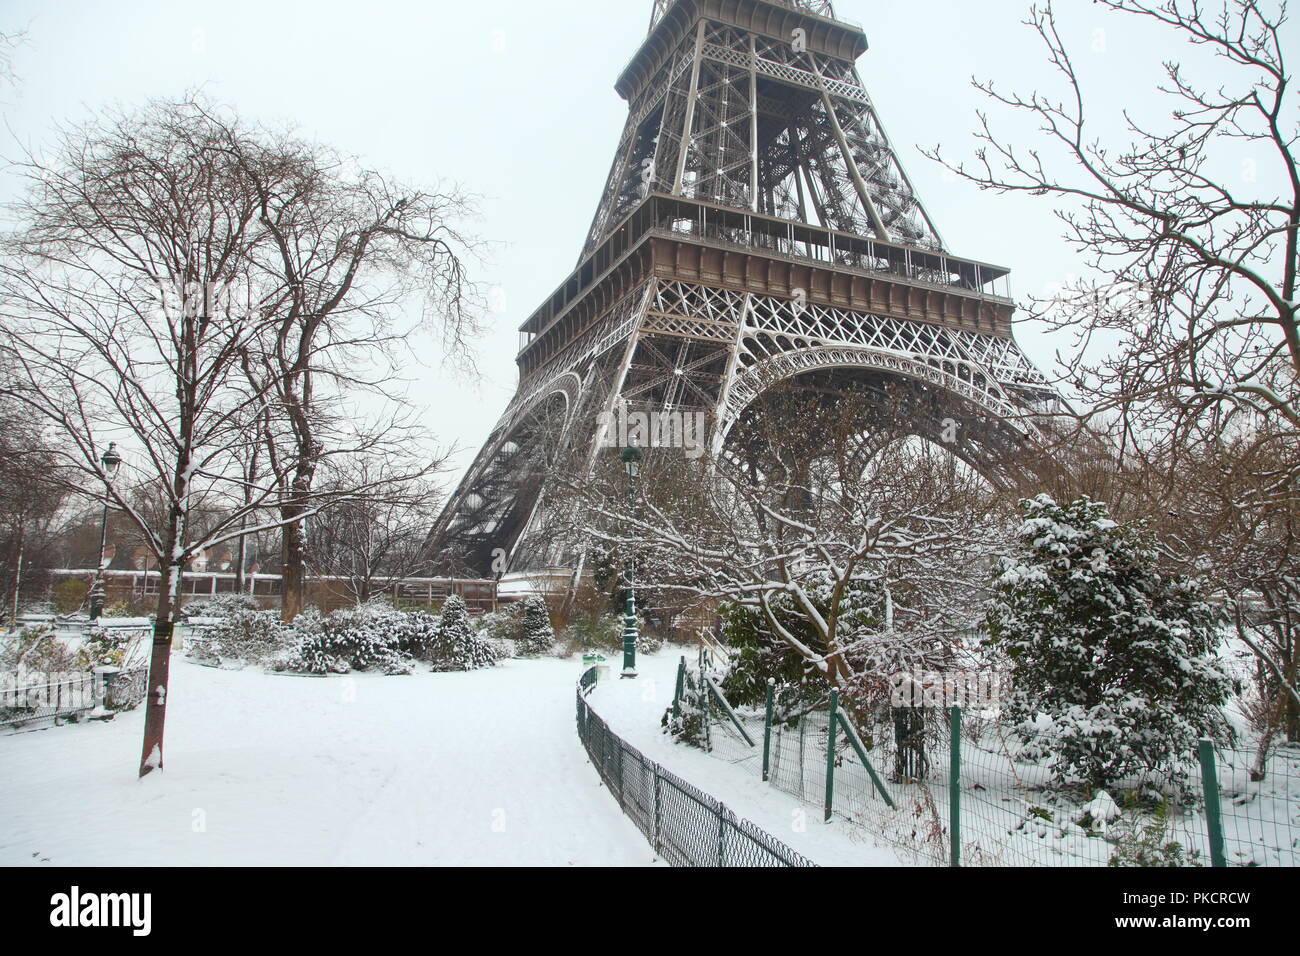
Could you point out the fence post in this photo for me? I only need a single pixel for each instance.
(722, 835)
(1213, 812)
(658, 841)
(767, 726)
(681, 687)
(620, 776)
(954, 788)
(704, 707)
(102, 688)
(830, 755)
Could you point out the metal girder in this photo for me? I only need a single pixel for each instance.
(760, 122)
(685, 295)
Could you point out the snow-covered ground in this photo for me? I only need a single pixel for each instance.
(479, 768)
(633, 709)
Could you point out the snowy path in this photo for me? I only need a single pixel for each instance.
(482, 768)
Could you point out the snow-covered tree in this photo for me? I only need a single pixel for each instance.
(1113, 663)
(539, 635)
(458, 646)
(813, 512)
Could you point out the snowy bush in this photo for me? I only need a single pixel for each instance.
(37, 649)
(239, 637)
(688, 726)
(220, 605)
(115, 646)
(756, 656)
(539, 636)
(376, 637)
(364, 638)
(599, 631)
(1111, 661)
(505, 624)
(415, 634)
(457, 646)
(1150, 843)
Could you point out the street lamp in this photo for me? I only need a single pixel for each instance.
(631, 461)
(110, 461)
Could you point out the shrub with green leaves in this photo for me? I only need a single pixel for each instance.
(1112, 661)
(457, 646)
(504, 624)
(539, 635)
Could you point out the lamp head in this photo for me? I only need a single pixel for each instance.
(111, 459)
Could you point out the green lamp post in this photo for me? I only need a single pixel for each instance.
(631, 461)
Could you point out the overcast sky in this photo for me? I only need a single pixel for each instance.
(514, 100)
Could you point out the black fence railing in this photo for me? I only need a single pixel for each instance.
(685, 825)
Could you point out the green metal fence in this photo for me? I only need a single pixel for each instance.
(686, 826)
(944, 788)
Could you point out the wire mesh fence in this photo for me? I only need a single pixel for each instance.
(975, 800)
(685, 825)
(1260, 805)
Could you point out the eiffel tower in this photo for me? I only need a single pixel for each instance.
(756, 226)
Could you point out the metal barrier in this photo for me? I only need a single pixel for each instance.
(685, 825)
(60, 697)
(949, 790)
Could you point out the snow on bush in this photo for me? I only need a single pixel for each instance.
(363, 638)
(505, 624)
(115, 646)
(376, 637)
(37, 649)
(539, 636)
(1112, 661)
(592, 631)
(238, 637)
(457, 646)
(221, 605)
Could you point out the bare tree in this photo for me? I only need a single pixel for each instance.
(369, 544)
(1209, 318)
(31, 497)
(1227, 512)
(809, 512)
(348, 246)
(1193, 291)
(9, 41)
(126, 301)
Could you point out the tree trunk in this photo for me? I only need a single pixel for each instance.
(1259, 768)
(241, 560)
(17, 578)
(155, 699)
(293, 572)
(294, 541)
(1292, 720)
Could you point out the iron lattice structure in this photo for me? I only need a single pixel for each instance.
(756, 226)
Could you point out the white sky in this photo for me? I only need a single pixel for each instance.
(514, 100)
